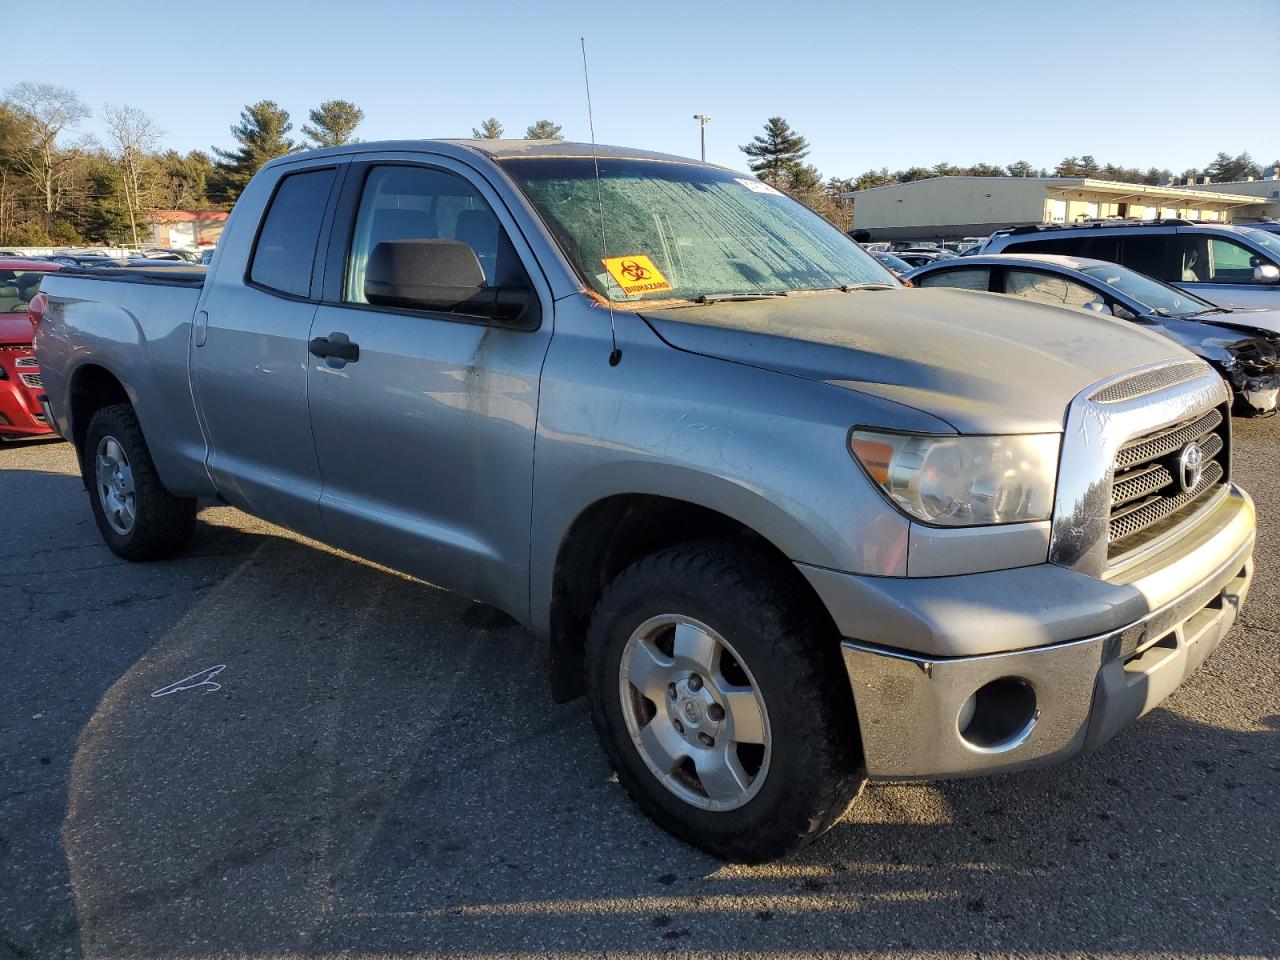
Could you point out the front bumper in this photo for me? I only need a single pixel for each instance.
(21, 414)
(914, 708)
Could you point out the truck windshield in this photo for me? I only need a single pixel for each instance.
(686, 231)
(1159, 298)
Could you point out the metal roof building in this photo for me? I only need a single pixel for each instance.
(947, 208)
(1267, 191)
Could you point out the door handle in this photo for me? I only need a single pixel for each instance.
(336, 346)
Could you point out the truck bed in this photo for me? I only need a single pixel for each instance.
(135, 324)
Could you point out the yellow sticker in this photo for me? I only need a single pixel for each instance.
(636, 274)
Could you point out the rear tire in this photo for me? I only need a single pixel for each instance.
(770, 671)
(139, 519)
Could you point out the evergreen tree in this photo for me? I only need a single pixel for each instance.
(261, 134)
(333, 123)
(1069, 167)
(1226, 168)
(777, 154)
(985, 170)
(491, 129)
(913, 173)
(543, 130)
(1020, 168)
(186, 179)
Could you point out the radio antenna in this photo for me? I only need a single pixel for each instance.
(615, 355)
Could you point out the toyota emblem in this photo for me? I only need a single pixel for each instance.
(1191, 466)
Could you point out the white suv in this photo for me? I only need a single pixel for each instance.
(1230, 266)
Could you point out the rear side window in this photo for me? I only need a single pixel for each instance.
(1065, 246)
(968, 278)
(286, 249)
(1048, 288)
(1145, 254)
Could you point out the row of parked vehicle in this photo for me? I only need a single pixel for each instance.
(1213, 288)
(20, 277)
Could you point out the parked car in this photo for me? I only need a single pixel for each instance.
(170, 253)
(21, 413)
(918, 258)
(932, 251)
(790, 523)
(893, 262)
(89, 260)
(1226, 265)
(1242, 345)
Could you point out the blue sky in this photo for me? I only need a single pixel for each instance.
(869, 83)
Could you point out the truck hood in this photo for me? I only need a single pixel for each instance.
(982, 362)
(15, 329)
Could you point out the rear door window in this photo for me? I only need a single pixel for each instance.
(1049, 288)
(285, 253)
(1145, 253)
(966, 278)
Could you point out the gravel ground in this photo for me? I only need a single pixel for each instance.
(381, 772)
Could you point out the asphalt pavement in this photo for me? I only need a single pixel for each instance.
(265, 748)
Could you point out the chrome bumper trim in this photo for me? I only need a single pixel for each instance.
(1086, 690)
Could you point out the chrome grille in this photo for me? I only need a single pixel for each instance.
(1157, 445)
(1149, 381)
(1146, 489)
(28, 363)
(32, 380)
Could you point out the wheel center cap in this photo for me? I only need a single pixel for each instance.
(692, 713)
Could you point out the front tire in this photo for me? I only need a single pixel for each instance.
(721, 701)
(139, 519)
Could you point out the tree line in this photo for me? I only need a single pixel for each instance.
(778, 156)
(62, 187)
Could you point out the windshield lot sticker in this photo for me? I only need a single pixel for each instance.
(757, 186)
(636, 274)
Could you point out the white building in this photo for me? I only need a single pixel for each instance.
(947, 208)
(1266, 190)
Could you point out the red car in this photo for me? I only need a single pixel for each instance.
(20, 384)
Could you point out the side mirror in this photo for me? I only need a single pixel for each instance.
(1096, 307)
(443, 275)
(426, 274)
(1266, 273)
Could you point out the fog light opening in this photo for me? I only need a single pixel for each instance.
(998, 716)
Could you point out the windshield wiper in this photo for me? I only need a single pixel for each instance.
(732, 297)
(850, 287)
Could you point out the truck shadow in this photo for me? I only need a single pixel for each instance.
(380, 771)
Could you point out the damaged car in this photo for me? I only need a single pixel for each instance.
(1242, 345)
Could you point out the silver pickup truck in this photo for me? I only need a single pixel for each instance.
(788, 522)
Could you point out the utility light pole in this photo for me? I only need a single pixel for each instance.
(702, 119)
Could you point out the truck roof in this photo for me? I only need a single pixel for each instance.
(495, 149)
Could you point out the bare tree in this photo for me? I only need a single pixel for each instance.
(133, 137)
(51, 111)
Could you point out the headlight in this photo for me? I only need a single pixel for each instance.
(962, 481)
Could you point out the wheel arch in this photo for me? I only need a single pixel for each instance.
(92, 386)
(611, 534)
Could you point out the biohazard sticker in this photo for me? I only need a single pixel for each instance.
(758, 186)
(636, 274)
